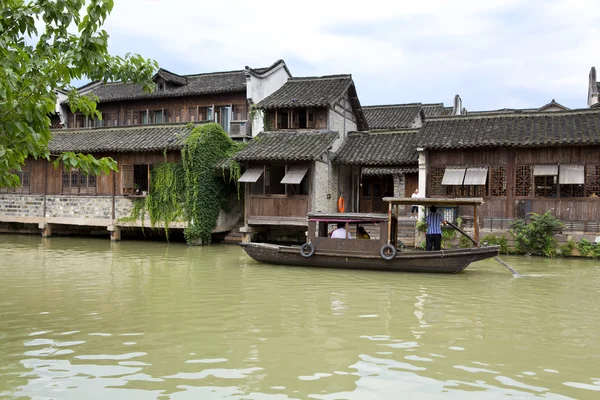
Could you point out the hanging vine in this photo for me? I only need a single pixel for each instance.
(191, 191)
(206, 194)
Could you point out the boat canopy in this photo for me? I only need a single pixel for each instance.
(346, 217)
(471, 201)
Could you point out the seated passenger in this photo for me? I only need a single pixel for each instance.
(361, 233)
(340, 232)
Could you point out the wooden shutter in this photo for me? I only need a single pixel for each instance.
(127, 176)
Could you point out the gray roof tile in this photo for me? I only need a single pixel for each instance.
(308, 92)
(287, 146)
(189, 85)
(396, 116)
(120, 139)
(379, 148)
(574, 127)
(380, 171)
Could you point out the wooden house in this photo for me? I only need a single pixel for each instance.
(288, 168)
(222, 97)
(137, 129)
(385, 154)
(518, 162)
(61, 198)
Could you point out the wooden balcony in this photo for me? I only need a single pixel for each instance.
(277, 210)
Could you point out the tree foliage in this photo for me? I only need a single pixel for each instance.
(44, 46)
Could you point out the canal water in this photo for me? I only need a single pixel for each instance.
(90, 319)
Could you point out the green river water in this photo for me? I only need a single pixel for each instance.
(86, 319)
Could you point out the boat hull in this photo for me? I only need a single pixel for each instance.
(444, 261)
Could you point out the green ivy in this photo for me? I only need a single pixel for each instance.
(206, 193)
(566, 249)
(192, 191)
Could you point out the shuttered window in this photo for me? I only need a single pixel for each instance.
(127, 176)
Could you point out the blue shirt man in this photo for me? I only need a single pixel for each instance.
(433, 238)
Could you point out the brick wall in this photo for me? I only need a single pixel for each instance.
(96, 207)
(17, 205)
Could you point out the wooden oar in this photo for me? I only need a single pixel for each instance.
(463, 233)
(511, 269)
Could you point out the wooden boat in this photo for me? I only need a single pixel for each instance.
(380, 254)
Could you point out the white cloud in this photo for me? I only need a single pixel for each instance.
(494, 53)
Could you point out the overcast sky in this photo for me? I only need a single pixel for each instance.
(495, 54)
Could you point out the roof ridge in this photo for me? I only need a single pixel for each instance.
(393, 105)
(323, 77)
(515, 114)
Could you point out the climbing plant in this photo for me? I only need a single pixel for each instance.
(192, 191)
(205, 193)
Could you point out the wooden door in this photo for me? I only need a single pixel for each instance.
(411, 182)
(374, 189)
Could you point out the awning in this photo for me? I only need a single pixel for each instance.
(571, 174)
(453, 176)
(251, 174)
(545, 170)
(476, 176)
(294, 174)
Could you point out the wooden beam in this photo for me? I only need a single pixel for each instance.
(475, 224)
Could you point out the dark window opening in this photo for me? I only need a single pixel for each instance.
(302, 118)
(572, 190)
(273, 176)
(140, 177)
(282, 120)
(161, 87)
(545, 186)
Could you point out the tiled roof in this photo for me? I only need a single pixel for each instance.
(574, 127)
(171, 77)
(435, 110)
(396, 116)
(379, 148)
(308, 92)
(120, 139)
(287, 146)
(380, 171)
(190, 85)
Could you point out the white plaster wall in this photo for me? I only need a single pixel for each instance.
(259, 88)
(321, 187)
(60, 109)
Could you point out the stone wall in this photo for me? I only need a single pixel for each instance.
(87, 207)
(19, 205)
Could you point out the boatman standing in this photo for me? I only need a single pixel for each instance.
(433, 238)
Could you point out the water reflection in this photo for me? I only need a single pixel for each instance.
(82, 318)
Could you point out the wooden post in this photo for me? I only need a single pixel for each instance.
(475, 224)
(148, 178)
(389, 221)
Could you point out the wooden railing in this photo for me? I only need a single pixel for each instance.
(278, 206)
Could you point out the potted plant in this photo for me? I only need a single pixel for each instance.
(136, 188)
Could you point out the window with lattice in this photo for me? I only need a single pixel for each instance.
(571, 190)
(436, 175)
(592, 180)
(523, 181)
(498, 181)
(24, 178)
(545, 186)
(76, 182)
